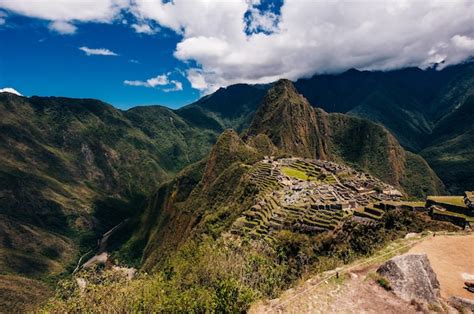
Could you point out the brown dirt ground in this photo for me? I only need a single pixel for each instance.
(354, 294)
(450, 257)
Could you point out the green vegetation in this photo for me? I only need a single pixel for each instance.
(381, 281)
(226, 275)
(450, 200)
(72, 168)
(295, 173)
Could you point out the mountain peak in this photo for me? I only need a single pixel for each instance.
(283, 87)
(290, 122)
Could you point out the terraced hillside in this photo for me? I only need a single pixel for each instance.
(308, 196)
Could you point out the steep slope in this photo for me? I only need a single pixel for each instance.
(209, 195)
(451, 151)
(206, 196)
(73, 168)
(408, 102)
(296, 128)
(231, 107)
(291, 123)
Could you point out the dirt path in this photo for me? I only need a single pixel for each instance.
(351, 293)
(356, 291)
(452, 259)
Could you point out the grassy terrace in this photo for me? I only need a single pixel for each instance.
(453, 214)
(361, 212)
(295, 173)
(405, 203)
(451, 200)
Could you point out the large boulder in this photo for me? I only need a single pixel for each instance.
(462, 304)
(412, 278)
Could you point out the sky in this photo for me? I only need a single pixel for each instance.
(171, 52)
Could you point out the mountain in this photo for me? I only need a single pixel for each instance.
(231, 107)
(72, 168)
(451, 150)
(248, 220)
(208, 196)
(408, 102)
(295, 127)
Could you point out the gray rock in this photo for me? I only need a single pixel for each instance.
(462, 304)
(412, 278)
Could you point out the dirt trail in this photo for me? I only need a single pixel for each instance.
(351, 293)
(452, 259)
(356, 292)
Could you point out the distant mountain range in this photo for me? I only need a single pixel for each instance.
(72, 168)
(413, 104)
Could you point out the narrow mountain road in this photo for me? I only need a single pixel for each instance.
(101, 256)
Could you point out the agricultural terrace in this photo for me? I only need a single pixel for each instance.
(309, 196)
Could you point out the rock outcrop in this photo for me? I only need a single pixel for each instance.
(412, 278)
(462, 304)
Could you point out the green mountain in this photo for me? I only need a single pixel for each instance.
(451, 150)
(208, 196)
(226, 230)
(72, 168)
(408, 102)
(295, 127)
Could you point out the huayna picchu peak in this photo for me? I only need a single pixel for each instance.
(298, 129)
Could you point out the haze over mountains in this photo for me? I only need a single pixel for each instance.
(73, 168)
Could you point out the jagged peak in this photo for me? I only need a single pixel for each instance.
(283, 87)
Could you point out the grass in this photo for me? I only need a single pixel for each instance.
(295, 173)
(453, 214)
(451, 200)
(405, 203)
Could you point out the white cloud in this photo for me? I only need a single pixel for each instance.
(67, 11)
(160, 80)
(311, 36)
(175, 86)
(463, 42)
(224, 42)
(144, 29)
(62, 27)
(98, 51)
(10, 90)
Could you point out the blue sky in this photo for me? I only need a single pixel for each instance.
(171, 52)
(36, 61)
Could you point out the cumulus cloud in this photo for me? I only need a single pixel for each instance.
(144, 29)
(160, 80)
(62, 27)
(97, 51)
(10, 90)
(233, 41)
(64, 13)
(175, 86)
(309, 37)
